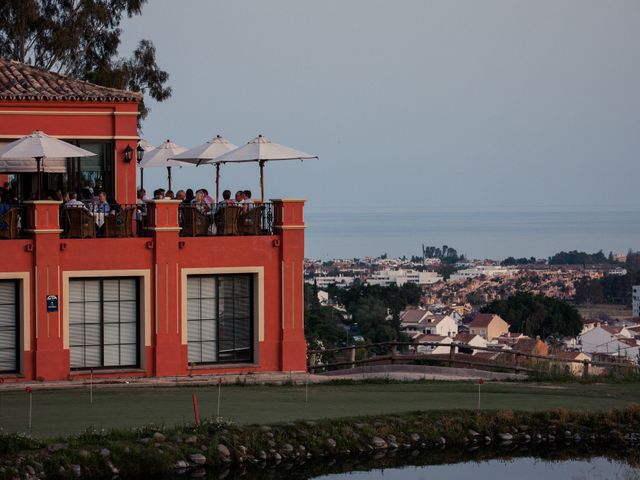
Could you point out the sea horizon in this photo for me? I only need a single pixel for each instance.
(494, 232)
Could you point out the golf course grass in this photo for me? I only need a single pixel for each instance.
(63, 412)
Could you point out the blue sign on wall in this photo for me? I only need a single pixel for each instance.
(52, 303)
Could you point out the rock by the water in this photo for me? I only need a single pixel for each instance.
(378, 443)
(198, 458)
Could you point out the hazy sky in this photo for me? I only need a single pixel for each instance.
(432, 104)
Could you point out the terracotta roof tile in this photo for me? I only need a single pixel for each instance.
(19, 81)
(413, 315)
(483, 320)
(566, 355)
(464, 337)
(612, 330)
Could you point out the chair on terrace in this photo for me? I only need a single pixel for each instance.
(227, 220)
(194, 222)
(9, 224)
(79, 223)
(250, 223)
(120, 224)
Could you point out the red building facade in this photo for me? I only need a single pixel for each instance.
(155, 305)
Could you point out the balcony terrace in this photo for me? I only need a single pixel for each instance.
(160, 261)
(127, 221)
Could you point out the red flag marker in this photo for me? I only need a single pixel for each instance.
(29, 390)
(196, 414)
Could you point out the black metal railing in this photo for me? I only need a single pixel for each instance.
(91, 220)
(199, 220)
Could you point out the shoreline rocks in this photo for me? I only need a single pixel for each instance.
(218, 445)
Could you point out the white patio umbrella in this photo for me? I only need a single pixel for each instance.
(206, 153)
(146, 146)
(263, 150)
(160, 157)
(39, 147)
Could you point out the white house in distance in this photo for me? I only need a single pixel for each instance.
(323, 297)
(617, 341)
(418, 321)
(470, 339)
(432, 349)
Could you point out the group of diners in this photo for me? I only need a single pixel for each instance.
(201, 198)
(99, 205)
(202, 202)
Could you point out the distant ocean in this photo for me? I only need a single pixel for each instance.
(349, 233)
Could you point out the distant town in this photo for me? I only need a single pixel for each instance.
(488, 303)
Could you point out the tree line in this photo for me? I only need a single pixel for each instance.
(537, 315)
(613, 289)
(80, 39)
(375, 310)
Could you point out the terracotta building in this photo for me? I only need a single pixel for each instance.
(144, 299)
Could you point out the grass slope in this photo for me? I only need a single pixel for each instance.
(57, 413)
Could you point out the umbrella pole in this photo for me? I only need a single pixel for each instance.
(39, 195)
(262, 180)
(169, 176)
(141, 178)
(217, 182)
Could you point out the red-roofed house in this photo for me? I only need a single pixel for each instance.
(574, 367)
(488, 326)
(414, 321)
(533, 346)
(433, 349)
(472, 340)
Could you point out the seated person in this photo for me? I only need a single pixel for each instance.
(208, 198)
(4, 208)
(200, 203)
(158, 194)
(188, 197)
(247, 202)
(226, 201)
(102, 206)
(73, 201)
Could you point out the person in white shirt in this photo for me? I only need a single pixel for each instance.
(73, 201)
(248, 201)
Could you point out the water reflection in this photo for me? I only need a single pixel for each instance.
(508, 462)
(598, 468)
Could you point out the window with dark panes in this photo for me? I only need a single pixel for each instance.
(88, 175)
(103, 323)
(220, 318)
(9, 335)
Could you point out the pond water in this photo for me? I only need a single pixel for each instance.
(598, 468)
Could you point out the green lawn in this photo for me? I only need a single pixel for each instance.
(58, 412)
